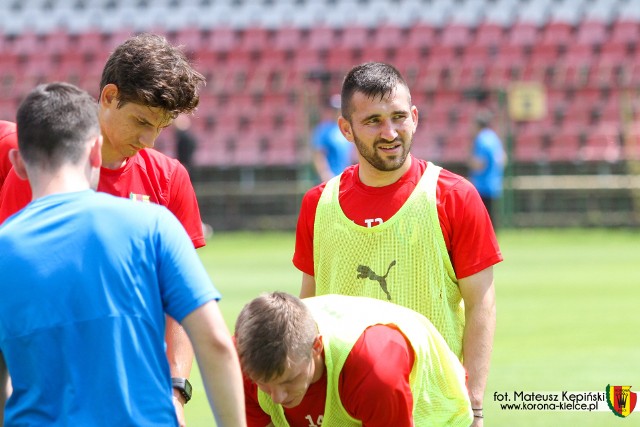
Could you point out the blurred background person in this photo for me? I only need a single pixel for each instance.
(487, 164)
(332, 153)
(186, 142)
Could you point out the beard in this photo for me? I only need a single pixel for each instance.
(383, 163)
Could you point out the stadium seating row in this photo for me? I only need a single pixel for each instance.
(109, 15)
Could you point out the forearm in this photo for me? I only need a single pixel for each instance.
(180, 357)
(322, 166)
(223, 383)
(179, 349)
(308, 288)
(477, 345)
(219, 364)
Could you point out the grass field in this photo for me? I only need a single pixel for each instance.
(568, 303)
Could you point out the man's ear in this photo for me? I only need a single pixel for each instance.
(109, 95)
(345, 128)
(95, 154)
(318, 345)
(18, 164)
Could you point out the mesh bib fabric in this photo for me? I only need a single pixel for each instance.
(403, 260)
(436, 379)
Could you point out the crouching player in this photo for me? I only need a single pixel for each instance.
(346, 361)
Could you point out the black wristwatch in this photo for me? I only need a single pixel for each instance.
(183, 386)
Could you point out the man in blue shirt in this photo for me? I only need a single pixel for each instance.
(87, 280)
(332, 153)
(487, 164)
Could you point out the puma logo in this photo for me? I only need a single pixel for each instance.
(365, 272)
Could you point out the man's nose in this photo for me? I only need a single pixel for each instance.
(388, 131)
(278, 395)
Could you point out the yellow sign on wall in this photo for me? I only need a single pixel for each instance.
(527, 101)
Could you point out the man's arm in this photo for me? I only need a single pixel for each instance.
(477, 342)
(321, 165)
(218, 362)
(180, 357)
(4, 384)
(308, 288)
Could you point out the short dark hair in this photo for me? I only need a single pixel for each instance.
(54, 122)
(270, 330)
(149, 71)
(372, 79)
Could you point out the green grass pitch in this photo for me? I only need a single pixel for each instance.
(567, 303)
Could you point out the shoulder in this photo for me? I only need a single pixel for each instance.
(452, 184)
(8, 137)
(133, 210)
(7, 129)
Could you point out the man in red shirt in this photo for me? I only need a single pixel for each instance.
(339, 360)
(145, 84)
(8, 141)
(379, 118)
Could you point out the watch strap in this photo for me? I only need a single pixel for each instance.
(183, 386)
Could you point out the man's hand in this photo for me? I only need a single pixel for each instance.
(178, 404)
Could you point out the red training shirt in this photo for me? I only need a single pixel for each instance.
(465, 223)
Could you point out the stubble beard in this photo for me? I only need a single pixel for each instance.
(388, 164)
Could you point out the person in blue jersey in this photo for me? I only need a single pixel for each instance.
(332, 153)
(87, 280)
(487, 163)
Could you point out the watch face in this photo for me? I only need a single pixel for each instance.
(184, 386)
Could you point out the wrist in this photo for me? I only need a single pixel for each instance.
(181, 389)
(179, 397)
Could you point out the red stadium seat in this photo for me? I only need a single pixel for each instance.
(523, 34)
(389, 36)
(613, 57)
(574, 67)
(354, 37)
(625, 31)
(557, 33)
(565, 145)
(421, 35)
(543, 62)
(288, 38)
(456, 35)
(601, 144)
(508, 65)
(254, 39)
(529, 148)
(321, 37)
(591, 33)
(489, 35)
(473, 68)
(222, 39)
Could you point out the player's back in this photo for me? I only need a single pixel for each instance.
(81, 317)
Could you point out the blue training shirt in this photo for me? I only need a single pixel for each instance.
(86, 280)
(488, 147)
(337, 149)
